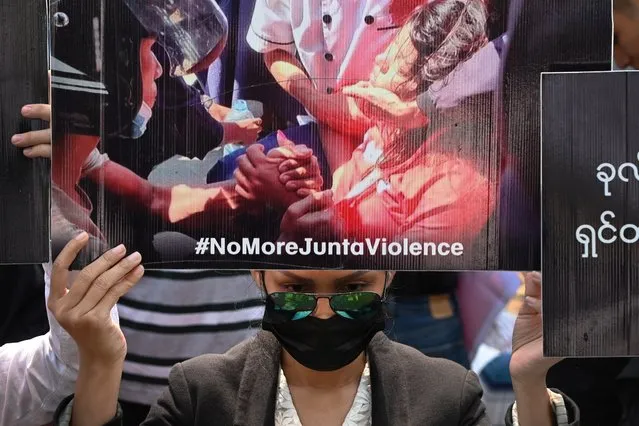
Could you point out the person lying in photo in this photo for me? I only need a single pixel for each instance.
(421, 183)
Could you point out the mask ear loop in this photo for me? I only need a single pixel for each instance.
(262, 286)
(386, 284)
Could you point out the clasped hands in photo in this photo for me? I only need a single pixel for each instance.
(281, 177)
(310, 212)
(286, 178)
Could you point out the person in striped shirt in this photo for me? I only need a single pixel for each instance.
(175, 315)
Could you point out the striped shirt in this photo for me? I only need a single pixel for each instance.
(173, 315)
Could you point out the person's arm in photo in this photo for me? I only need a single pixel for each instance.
(182, 106)
(271, 34)
(173, 203)
(383, 105)
(203, 121)
(335, 110)
(181, 202)
(176, 203)
(83, 311)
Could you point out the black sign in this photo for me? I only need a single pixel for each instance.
(24, 183)
(590, 196)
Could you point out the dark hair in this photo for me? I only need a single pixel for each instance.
(445, 34)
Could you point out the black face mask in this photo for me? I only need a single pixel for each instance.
(324, 344)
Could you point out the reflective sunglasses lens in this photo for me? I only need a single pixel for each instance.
(355, 305)
(296, 305)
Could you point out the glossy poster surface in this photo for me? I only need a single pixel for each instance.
(253, 133)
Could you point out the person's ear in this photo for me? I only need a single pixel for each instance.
(388, 279)
(257, 278)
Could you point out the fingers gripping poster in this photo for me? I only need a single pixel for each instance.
(262, 133)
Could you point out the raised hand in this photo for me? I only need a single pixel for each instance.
(84, 309)
(528, 361)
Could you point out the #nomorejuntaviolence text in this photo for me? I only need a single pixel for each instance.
(370, 246)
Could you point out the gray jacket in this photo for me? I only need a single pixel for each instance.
(239, 387)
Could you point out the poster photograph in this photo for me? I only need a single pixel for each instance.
(254, 133)
(590, 187)
(24, 181)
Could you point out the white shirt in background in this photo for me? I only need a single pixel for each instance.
(37, 374)
(360, 413)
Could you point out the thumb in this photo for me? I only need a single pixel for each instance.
(283, 141)
(62, 263)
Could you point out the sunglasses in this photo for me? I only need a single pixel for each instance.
(296, 306)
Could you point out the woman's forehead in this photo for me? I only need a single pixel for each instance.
(324, 275)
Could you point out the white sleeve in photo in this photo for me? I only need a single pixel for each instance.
(94, 161)
(271, 27)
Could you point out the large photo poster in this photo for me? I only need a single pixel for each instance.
(273, 133)
(24, 181)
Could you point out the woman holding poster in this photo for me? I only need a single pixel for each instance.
(323, 359)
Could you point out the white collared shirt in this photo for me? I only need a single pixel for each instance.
(360, 413)
(37, 374)
(337, 40)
